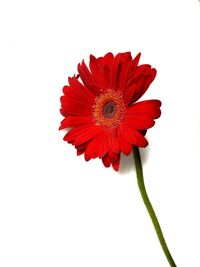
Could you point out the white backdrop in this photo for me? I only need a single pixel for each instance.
(58, 210)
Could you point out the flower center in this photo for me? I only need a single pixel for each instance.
(109, 108)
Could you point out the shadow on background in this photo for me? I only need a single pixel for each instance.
(127, 162)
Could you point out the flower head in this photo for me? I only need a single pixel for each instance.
(100, 107)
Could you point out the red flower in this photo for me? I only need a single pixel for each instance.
(101, 112)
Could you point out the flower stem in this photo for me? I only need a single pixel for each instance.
(141, 185)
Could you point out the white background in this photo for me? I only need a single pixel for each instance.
(58, 210)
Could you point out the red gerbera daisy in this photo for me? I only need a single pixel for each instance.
(101, 112)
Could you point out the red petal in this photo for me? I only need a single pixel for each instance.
(111, 158)
(73, 106)
(139, 123)
(143, 78)
(128, 95)
(80, 88)
(125, 147)
(97, 71)
(151, 107)
(132, 136)
(89, 133)
(108, 60)
(82, 134)
(130, 71)
(115, 164)
(74, 121)
(135, 62)
(139, 72)
(79, 152)
(77, 99)
(87, 78)
(106, 160)
(73, 133)
(114, 72)
(142, 114)
(103, 146)
(125, 61)
(81, 148)
(73, 98)
(93, 147)
(113, 141)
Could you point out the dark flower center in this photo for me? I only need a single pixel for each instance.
(109, 109)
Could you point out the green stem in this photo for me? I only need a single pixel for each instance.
(140, 179)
